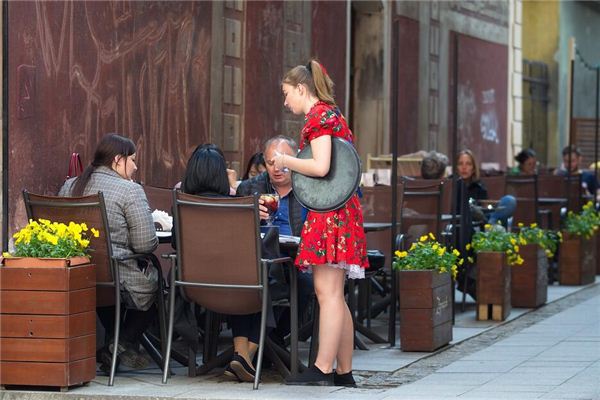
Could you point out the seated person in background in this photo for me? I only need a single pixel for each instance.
(468, 169)
(206, 175)
(231, 174)
(527, 163)
(289, 218)
(434, 165)
(132, 232)
(572, 157)
(256, 165)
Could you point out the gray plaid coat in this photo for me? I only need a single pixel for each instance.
(131, 231)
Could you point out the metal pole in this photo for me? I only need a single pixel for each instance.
(596, 162)
(570, 121)
(394, 136)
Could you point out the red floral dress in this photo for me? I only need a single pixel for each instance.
(334, 237)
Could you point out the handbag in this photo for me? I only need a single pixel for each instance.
(75, 166)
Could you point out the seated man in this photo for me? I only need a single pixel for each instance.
(572, 157)
(290, 215)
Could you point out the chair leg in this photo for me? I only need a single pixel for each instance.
(167, 354)
(263, 327)
(113, 364)
(314, 340)
(162, 326)
(294, 321)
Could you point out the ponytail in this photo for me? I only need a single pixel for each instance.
(81, 181)
(314, 76)
(322, 81)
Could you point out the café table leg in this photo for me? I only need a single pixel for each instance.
(294, 320)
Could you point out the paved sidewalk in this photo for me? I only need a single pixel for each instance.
(549, 353)
(553, 356)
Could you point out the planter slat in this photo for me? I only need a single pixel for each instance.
(48, 326)
(48, 374)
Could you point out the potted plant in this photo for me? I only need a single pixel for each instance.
(496, 251)
(577, 264)
(529, 281)
(47, 307)
(425, 274)
(51, 243)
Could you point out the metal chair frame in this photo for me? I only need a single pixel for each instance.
(261, 264)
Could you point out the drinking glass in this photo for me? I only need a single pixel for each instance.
(271, 202)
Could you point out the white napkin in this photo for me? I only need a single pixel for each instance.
(163, 218)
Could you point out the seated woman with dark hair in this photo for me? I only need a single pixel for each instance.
(527, 163)
(131, 231)
(256, 166)
(206, 175)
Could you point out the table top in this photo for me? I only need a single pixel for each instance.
(552, 200)
(377, 226)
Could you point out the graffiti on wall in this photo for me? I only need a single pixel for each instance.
(84, 69)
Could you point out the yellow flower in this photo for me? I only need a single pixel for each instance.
(431, 236)
(423, 238)
(435, 246)
(520, 224)
(487, 227)
(470, 259)
(401, 254)
(95, 232)
(534, 225)
(413, 246)
(456, 253)
(441, 251)
(6, 254)
(468, 246)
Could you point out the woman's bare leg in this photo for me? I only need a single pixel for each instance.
(344, 356)
(329, 288)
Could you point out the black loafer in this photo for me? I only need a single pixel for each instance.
(346, 380)
(313, 376)
(230, 373)
(241, 369)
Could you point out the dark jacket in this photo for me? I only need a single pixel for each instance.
(477, 190)
(262, 184)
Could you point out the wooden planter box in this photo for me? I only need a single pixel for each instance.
(493, 286)
(529, 281)
(597, 253)
(47, 324)
(577, 260)
(425, 310)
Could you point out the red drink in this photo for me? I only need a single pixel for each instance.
(271, 202)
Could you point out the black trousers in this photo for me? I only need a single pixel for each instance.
(133, 322)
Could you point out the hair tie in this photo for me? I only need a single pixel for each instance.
(309, 67)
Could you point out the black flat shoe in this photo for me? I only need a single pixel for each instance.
(346, 379)
(230, 373)
(313, 376)
(241, 369)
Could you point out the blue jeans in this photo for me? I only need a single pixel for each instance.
(505, 209)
